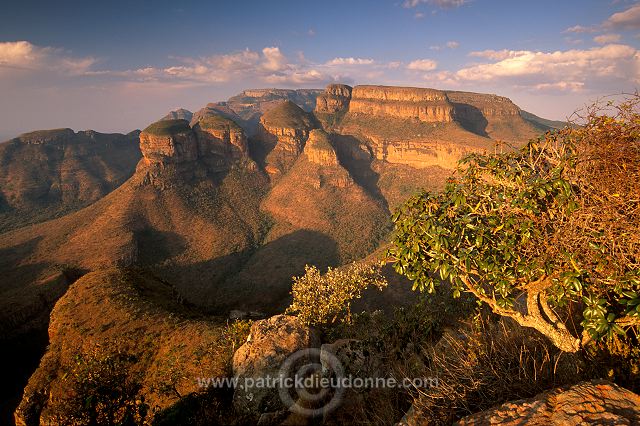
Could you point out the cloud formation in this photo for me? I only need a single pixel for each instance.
(422, 65)
(607, 38)
(628, 19)
(25, 56)
(442, 4)
(570, 70)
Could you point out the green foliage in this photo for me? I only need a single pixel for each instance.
(556, 221)
(326, 299)
(168, 127)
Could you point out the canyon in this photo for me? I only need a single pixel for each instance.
(216, 210)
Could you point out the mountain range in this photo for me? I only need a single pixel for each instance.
(224, 205)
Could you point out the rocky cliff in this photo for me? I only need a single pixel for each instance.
(319, 150)
(334, 99)
(168, 142)
(220, 137)
(283, 133)
(426, 105)
(493, 116)
(179, 114)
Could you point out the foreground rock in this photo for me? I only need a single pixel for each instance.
(589, 403)
(268, 346)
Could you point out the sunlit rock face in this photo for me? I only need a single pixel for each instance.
(283, 132)
(319, 150)
(335, 99)
(169, 142)
(427, 105)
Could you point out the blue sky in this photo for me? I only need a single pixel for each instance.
(116, 66)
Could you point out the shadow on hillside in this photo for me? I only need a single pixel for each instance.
(357, 159)
(471, 119)
(261, 143)
(258, 279)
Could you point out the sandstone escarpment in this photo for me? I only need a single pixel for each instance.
(169, 142)
(319, 150)
(334, 99)
(284, 131)
(220, 137)
(488, 105)
(427, 105)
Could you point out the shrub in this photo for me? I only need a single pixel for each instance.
(326, 299)
(540, 233)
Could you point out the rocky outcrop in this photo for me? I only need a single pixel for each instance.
(169, 142)
(179, 114)
(270, 343)
(284, 131)
(427, 105)
(220, 140)
(334, 99)
(319, 150)
(589, 403)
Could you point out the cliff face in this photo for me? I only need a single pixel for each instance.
(493, 116)
(169, 142)
(319, 150)
(426, 105)
(283, 132)
(334, 99)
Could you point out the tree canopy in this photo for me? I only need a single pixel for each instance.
(540, 233)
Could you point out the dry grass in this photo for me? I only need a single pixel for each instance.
(487, 363)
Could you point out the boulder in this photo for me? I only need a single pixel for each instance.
(597, 402)
(270, 343)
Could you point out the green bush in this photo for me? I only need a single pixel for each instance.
(326, 299)
(542, 234)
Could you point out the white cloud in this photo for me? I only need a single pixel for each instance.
(628, 19)
(607, 38)
(497, 55)
(443, 4)
(422, 65)
(274, 60)
(453, 44)
(23, 55)
(350, 61)
(605, 66)
(580, 29)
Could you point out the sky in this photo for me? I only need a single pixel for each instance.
(116, 66)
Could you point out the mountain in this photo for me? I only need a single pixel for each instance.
(225, 206)
(48, 173)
